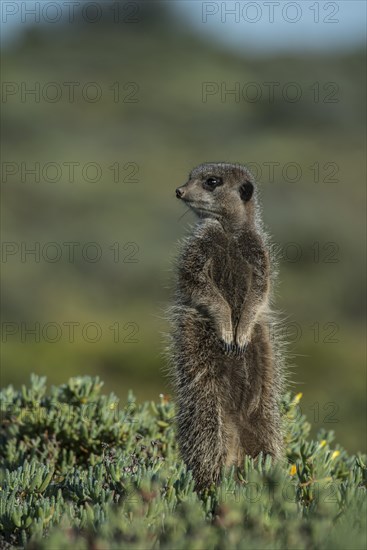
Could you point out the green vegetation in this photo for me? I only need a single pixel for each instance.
(80, 469)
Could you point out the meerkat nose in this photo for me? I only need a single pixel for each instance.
(179, 193)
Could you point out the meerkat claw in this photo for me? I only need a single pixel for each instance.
(233, 350)
(227, 347)
(242, 349)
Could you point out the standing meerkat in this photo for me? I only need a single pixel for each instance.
(226, 374)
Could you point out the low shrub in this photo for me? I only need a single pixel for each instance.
(79, 468)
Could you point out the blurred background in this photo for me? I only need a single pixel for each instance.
(106, 107)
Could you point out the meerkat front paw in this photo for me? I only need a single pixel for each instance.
(226, 338)
(234, 348)
(242, 341)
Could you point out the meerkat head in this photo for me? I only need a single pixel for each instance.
(222, 191)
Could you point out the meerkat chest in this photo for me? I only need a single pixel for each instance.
(231, 272)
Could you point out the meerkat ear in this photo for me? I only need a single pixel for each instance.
(246, 191)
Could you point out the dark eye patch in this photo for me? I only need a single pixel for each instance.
(212, 182)
(246, 191)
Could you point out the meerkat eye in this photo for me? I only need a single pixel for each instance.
(212, 182)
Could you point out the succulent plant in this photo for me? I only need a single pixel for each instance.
(80, 468)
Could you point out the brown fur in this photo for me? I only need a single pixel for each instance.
(226, 373)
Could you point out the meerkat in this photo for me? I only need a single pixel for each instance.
(226, 375)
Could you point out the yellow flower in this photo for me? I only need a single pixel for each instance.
(335, 454)
(322, 443)
(298, 398)
(293, 470)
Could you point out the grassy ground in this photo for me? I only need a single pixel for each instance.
(81, 469)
